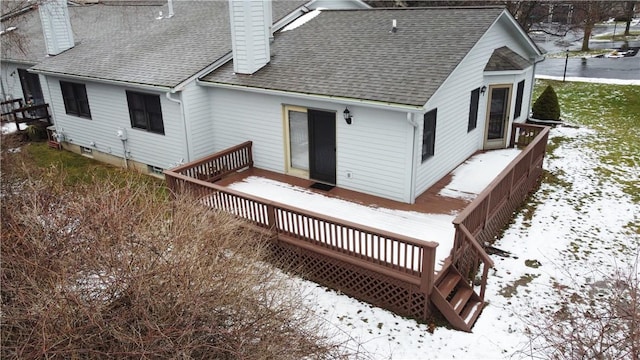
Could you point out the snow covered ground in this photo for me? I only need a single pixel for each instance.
(579, 228)
(545, 250)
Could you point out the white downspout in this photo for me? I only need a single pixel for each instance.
(412, 186)
(184, 122)
(170, 5)
(536, 60)
(124, 152)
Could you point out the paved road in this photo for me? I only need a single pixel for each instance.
(608, 68)
(622, 68)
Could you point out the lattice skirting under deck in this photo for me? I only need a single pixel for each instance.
(400, 297)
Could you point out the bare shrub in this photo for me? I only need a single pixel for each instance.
(601, 321)
(105, 270)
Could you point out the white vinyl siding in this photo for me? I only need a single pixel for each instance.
(11, 80)
(373, 155)
(109, 112)
(199, 123)
(454, 142)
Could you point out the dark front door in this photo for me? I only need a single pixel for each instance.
(322, 146)
(497, 117)
(31, 87)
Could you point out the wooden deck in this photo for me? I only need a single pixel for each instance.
(386, 269)
(428, 202)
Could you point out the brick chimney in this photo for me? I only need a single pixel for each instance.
(250, 34)
(58, 35)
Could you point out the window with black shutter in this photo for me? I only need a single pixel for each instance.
(473, 109)
(75, 99)
(145, 112)
(429, 134)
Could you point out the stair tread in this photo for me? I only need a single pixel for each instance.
(450, 281)
(471, 311)
(461, 298)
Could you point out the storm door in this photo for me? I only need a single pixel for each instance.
(497, 117)
(311, 143)
(322, 146)
(31, 88)
(32, 91)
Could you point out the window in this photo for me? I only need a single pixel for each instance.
(519, 94)
(86, 151)
(75, 99)
(473, 109)
(145, 112)
(429, 134)
(154, 170)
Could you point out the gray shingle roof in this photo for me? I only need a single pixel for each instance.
(353, 54)
(503, 59)
(127, 43)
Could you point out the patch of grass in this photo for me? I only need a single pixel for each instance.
(611, 110)
(80, 169)
(578, 53)
(510, 290)
(619, 36)
(532, 263)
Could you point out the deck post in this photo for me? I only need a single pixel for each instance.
(485, 275)
(427, 272)
(271, 218)
(250, 155)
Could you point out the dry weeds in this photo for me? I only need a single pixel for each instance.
(105, 270)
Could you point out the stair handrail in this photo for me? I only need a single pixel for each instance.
(472, 240)
(484, 257)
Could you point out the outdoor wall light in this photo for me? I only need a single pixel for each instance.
(483, 90)
(347, 116)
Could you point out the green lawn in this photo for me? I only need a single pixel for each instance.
(619, 35)
(614, 112)
(77, 169)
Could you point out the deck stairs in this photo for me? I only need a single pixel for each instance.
(456, 299)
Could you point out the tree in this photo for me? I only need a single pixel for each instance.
(526, 12)
(10, 11)
(588, 13)
(630, 10)
(546, 106)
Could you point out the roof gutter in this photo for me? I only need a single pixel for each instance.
(343, 100)
(23, 62)
(102, 81)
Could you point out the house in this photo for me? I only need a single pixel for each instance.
(155, 86)
(424, 89)
(120, 76)
(380, 101)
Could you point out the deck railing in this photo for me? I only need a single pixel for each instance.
(391, 270)
(402, 259)
(15, 111)
(391, 254)
(482, 220)
(220, 164)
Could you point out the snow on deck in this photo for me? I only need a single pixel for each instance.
(469, 179)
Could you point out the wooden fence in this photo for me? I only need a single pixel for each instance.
(482, 220)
